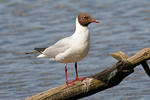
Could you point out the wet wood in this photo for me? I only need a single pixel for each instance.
(108, 78)
(146, 68)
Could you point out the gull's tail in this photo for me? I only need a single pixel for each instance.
(38, 51)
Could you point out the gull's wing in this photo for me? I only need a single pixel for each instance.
(59, 47)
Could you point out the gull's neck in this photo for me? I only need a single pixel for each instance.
(80, 29)
(81, 32)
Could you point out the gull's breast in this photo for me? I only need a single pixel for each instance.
(75, 53)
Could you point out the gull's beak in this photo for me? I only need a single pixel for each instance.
(94, 21)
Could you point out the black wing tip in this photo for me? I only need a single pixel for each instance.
(35, 48)
(39, 49)
(27, 53)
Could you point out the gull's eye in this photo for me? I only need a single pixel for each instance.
(85, 17)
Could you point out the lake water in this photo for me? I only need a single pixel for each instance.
(25, 24)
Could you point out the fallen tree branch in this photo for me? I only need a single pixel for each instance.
(110, 77)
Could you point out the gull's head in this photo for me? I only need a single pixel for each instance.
(85, 19)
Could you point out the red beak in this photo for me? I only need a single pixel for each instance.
(95, 21)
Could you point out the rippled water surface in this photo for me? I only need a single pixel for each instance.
(25, 24)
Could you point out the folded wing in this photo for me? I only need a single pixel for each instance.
(52, 51)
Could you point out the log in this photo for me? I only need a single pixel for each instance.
(108, 78)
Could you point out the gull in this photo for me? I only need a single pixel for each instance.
(73, 48)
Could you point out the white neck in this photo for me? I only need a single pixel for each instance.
(81, 32)
(79, 27)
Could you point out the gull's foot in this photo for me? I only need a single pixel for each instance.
(80, 79)
(77, 79)
(67, 83)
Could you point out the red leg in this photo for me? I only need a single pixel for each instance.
(67, 82)
(66, 74)
(77, 78)
(76, 71)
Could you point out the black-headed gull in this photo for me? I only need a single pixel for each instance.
(73, 48)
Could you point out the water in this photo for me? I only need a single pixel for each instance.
(25, 24)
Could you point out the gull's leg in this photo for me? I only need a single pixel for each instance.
(66, 74)
(76, 69)
(77, 78)
(67, 82)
